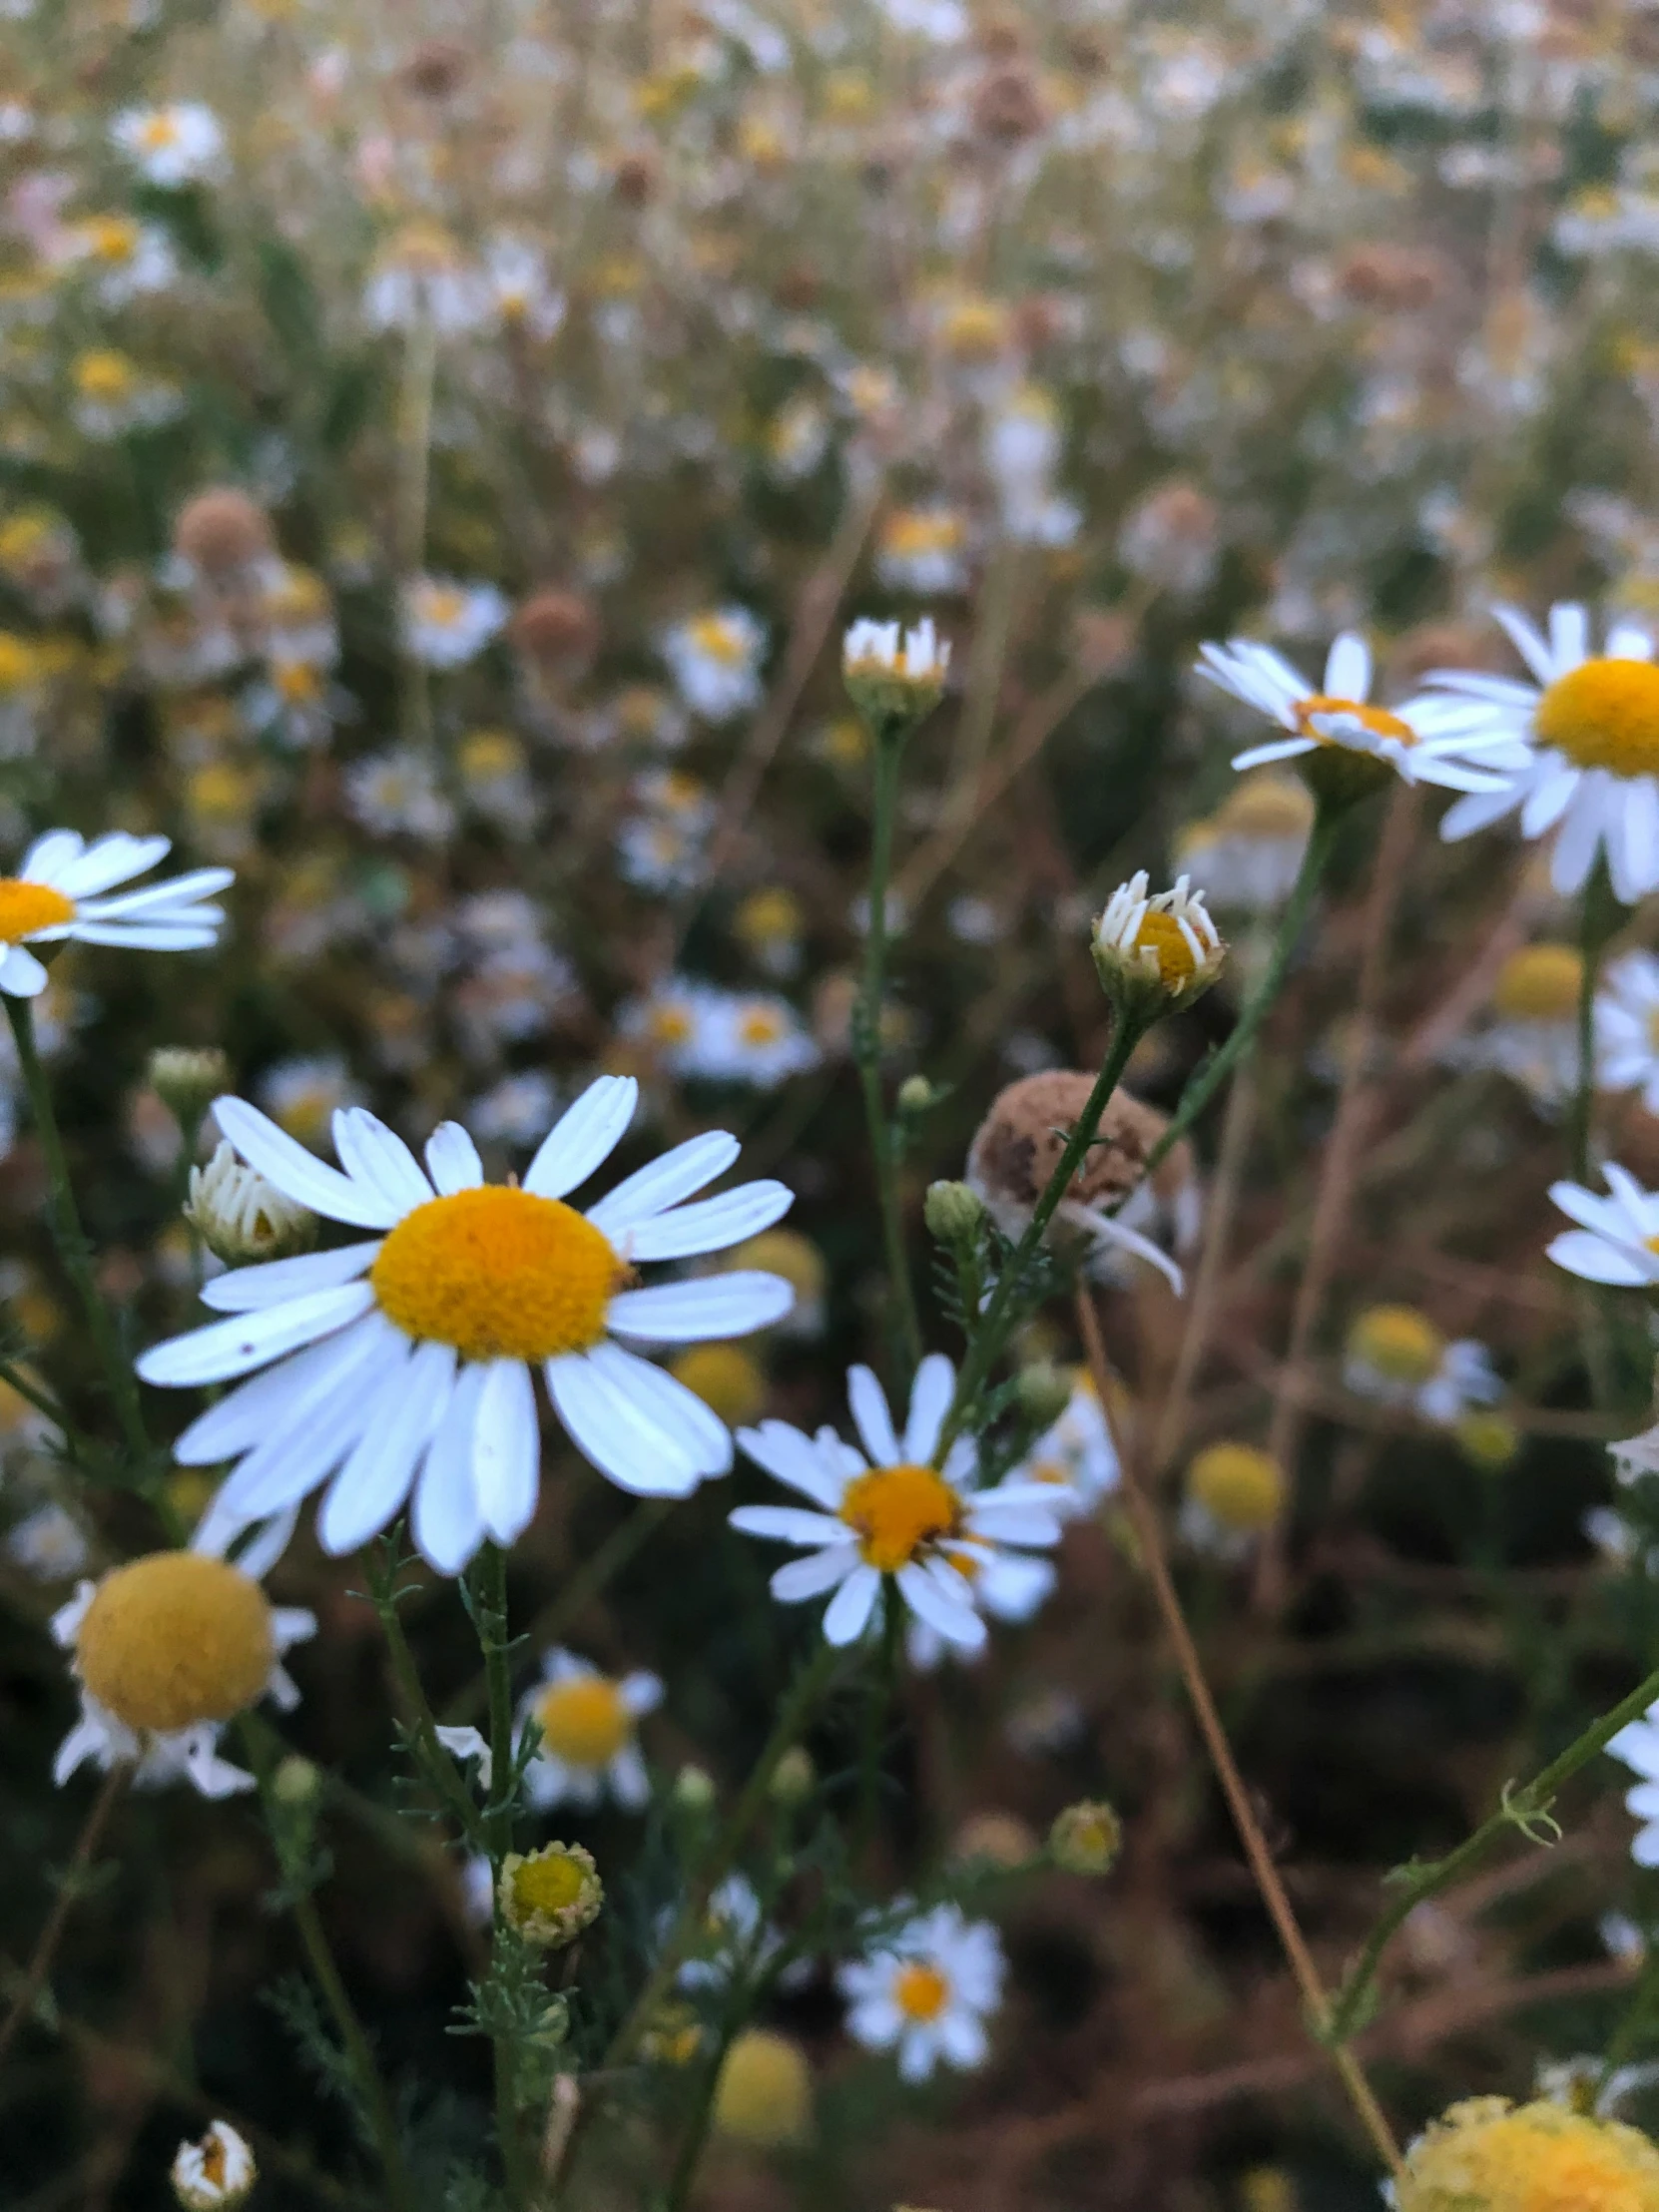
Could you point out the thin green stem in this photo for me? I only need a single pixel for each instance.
(1519, 1808)
(888, 755)
(878, 1699)
(440, 1767)
(489, 1615)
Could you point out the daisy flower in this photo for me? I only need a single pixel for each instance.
(735, 1938)
(1627, 1027)
(1008, 1587)
(1589, 728)
(404, 1361)
(1637, 1745)
(588, 1724)
(1617, 1240)
(927, 1991)
(446, 624)
(216, 2171)
(1427, 741)
(715, 659)
(58, 893)
(1074, 1458)
(171, 146)
(891, 1518)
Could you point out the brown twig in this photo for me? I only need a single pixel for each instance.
(69, 1890)
(1237, 1125)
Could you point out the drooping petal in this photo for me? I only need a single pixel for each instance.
(447, 1522)
(255, 1409)
(669, 1405)
(847, 1613)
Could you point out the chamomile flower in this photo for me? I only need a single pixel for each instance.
(734, 1938)
(1617, 1240)
(1627, 1027)
(1429, 739)
(1588, 725)
(714, 659)
(520, 292)
(927, 1991)
(923, 550)
(59, 893)
(1075, 1456)
(1009, 1586)
(1530, 1031)
(404, 1361)
(891, 1518)
(171, 146)
(218, 2171)
(446, 624)
(589, 1728)
(1247, 855)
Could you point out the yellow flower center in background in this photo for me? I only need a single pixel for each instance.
(765, 2092)
(761, 1025)
(1377, 720)
(173, 1639)
(158, 132)
(720, 640)
(1487, 2156)
(1268, 805)
(111, 238)
(728, 1382)
(1161, 934)
(583, 1720)
(669, 1025)
(105, 376)
(1605, 713)
(769, 916)
(896, 1511)
(1540, 982)
(19, 663)
(1237, 1485)
(296, 683)
(441, 609)
(1399, 1342)
(919, 1990)
(912, 532)
(499, 1274)
(26, 907)
(547, 1882)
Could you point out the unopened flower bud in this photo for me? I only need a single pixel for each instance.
(764, 2094)
(243, 1219)
(953, 1212)
(916, 1095)
(894, 681)
(296, 1781)
(187, 1081)
(694, 1788)
(1086, 1837)
(550, 1895)
(215, 2172)
(1156, 953)
(1044, 1394)
(793, 1778)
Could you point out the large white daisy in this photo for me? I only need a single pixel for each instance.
(404, 1361)
(1590, 728)
(57, 893)
(1618, 1237)
(1427, 740)
(893, 1516)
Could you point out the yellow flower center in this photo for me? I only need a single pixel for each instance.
(765, 916)
(1540, 982)
(908, 534)
(156, 133)
(762, 1025)
(1269, 806)
(727, 1380)
(443, 609)
(669, 1025)
(919, 1990)
(1535, 2158)
(111, 238)
(763, 2095)
(26, 907)
(1605, 713)
(499, 1274)
(1237, 1486)
(719, 639)
(298, 683)
(897, 1511)
(1399, 1342)
(173, 1639)
(547, 1882)
(19, 663)
(1161, 934)
(105, 377)
(583, 1720)
(1377, 720)
(212, 2148)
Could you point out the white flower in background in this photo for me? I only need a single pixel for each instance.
(395, 793)
(1465, 1378)
(1429, 739)
(1247, 855)
(714, 659)
(169, 1648)
(302, 1095)
(1530, 1030)
(1617, 1240)
(588, 1722)
(1589, 728)
(1634, 1456)
(124, 258)
(171, 146)
(216, 2171)
(1627, 1027)
(446, 623)
(1638, 1745)
(734, 1939)
(1397, 1355)
(404, 1361)
(923, 550)
(520, 291)
(927, 1991)
(1585, 2085)
(49, 1544)
(893, 1517)
(421, 278)
(58, 895)
(889, 672)
(511, 1111)
(796, 439)
(1075, 1456)
(756, 1038)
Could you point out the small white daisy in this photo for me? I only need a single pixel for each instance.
(1429, 739)
(49, 1544)
(520, 292)
(446, 624)
(715, 659)
(1617, 1240)
(1638, 1745)
(1590, 729)
(405, 1361)
(734, 1939)
(1074, 1458)
(927, 1991)
(893, 1517)
(171, 146)
(57, 894)
(218, 2171)
(588, 1723)
(1627, 1027)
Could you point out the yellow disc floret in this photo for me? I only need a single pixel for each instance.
(1238, 1485)
(1540, 982)
(499, 1274)
(1268, 806)
(26, 907)
(1397, 1342)
(175, 1639)
(920, 1990)
(1377, 720)
(583, 1720)
(1488, 2155)
(897, 1511)
(765, 2092)
(1162, 935)
(1605, 713)
(729, 1381)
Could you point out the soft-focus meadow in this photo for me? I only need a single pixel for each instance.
(652, 560)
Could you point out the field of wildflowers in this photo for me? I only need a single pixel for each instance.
(830, 1108)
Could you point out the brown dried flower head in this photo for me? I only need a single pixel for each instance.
(222, 532)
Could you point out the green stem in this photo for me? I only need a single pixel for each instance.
(1599, 920)
(1519, 1807)
(888, 755)
(442, 1768)
(70, 1238)
(489, 1615)
(877, 1698)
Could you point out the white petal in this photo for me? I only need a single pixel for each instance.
(246, 1290)
(185, 893)
(668, 1405)
(788, 1524)
(1569, 635)
(795, 1459)
(1280, 748)
(303, 1452)
(115, 858)
(718, 1306)
(713, 1225)
(370, 1154)
(375, 1479)
(1347, 667)
(21, 974)
(1579, 839)
(583, 1137)
(931, 1396)
(609, 1428)
(447, 1524)
(870, 1416)
(848, 1611)
(1528, 643)
(1588, 1255)
(226, 1348)
(679, 1174)
(253, 1411)
(955, 1619)
(812, 1577)
(49, 856)
(296, 1172)
(452, 1159)
(506, 1450)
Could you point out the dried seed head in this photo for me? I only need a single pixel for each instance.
(222, 532)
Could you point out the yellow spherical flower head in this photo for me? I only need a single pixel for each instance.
(1392, 1349)
(588, 1723)
(1604, 714)
(1238, 1487)
(768, 918)
(550, 1895)
(730, 1381)
(1540, 982)
(1487, 1440)
(1488, 2155)
(1086, 1837)
(765, 2092)
(175, 1639)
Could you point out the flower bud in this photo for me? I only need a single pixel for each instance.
(953, 1212)
(794, 1777)
(916, 1095)
(1156, 953)
(895, 683)
(550, 1895)
(188, 1082)
(765, 2092)
(694, 1788)
(1086, 1837)
(215, 2172)
(243, 1219)
(1044, 1394)
(296, 1781)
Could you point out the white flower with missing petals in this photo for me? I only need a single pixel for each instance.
(404, 1361)
(216, 2171)
(1617, 1240)
(58, 893)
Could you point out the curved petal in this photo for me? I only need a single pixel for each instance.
(1591, 1257)
(452, 1159)
(584, 1136)
(255, 1410)
(794, 1459)
(668, 1405)
(679, 1174)
(371, 1154)
(952, 1618)
(716, 1306)
(447, 1522)
(871, 1417)
(817, 1572)
(298, 1174)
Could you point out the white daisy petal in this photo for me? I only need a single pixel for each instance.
(370, 1154)
(812, 1577)
(848, 1611)
(930, 1395)
(1347, 667)
(52, 856)
(788, 1524)
(296, 1172)
(226, 1348)
(712, 1225)
(679, 1174)
(607, 1427)
(715, 1307)
(245, 1289)
(953, 1619)
(452, 1160)
(447, 1522)
(871, 1417)
(303, 1451)
(21, 974)
(375, 1479)
(1596, 1261)
(255, 1409)
(785, 1452)
(698, 1431)
(584, 1136)
(506, 1450)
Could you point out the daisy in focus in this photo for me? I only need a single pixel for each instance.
(892, 1519)
(715, 659)
(1429, 739)
(58, 893)
(403, 1363)
(1627, 1027)
(1617, 1240)
(927, 1991)
(1588, 726)
(588, 1721)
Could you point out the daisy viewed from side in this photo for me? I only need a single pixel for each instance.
(894, 1517)
(1627, 1027)
(403, 1363)
(927, 1991)
(1617, 1240)
(589, 1744)
(58, 893)
(1589, 728)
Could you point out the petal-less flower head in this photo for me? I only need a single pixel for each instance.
(59, 893)
(1488, 2155)
(404, 1361)
(549, 1896)
(1156, 952)
(1617, 1240)
(893, 676)
(216, 2171)
(891, 1516)
(1588, 724)
(589, 1723)
(1341, 741)
(927, 1991)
